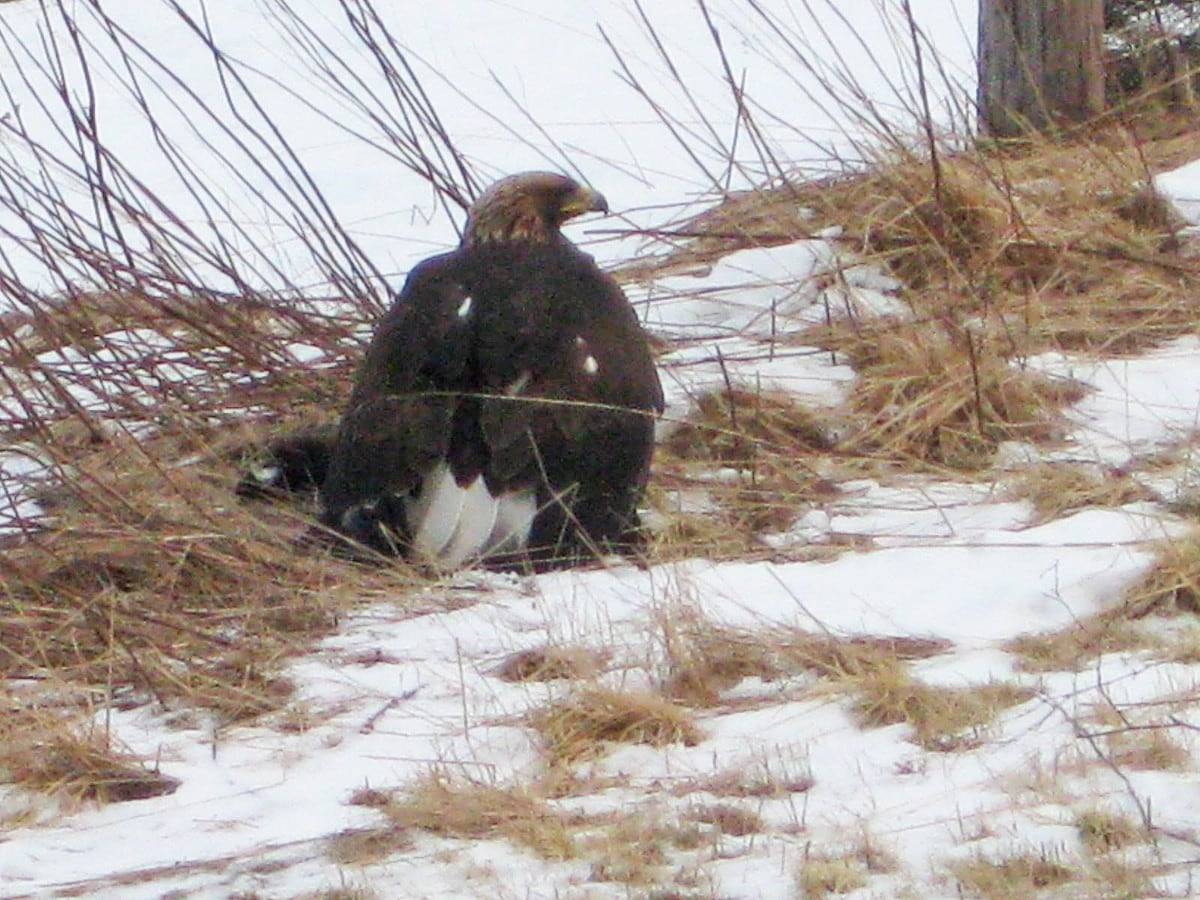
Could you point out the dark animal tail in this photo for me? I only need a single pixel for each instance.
(292, 464)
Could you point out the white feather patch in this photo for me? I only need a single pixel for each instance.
(451, 525)
(267, 474)
(434, 513)
(514, 521)
(475, 523)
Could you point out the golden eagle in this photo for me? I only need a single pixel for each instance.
(505, 408)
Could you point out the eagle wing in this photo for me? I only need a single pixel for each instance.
(571, 396)
(503, 375)
(399, 420)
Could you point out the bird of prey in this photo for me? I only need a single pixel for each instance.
(504, 411)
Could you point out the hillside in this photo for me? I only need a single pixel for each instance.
(918, 619)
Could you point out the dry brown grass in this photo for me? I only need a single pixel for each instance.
(1169, 590)
(705, 658)
(1171, 587)
(458, 807)
(1078, 644)
(942, 718)
(551, 663)
(1102, 832)
(765, 779)
(1020, 875)
(157, 580)
(1058, 243)
(770, 448)
(843, 870)
(580, 725)
(820, 877)
(64, 754)
(1058, 488)
(943, 395)
(1003, 254)
(148, 581)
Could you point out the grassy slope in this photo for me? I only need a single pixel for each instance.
(149, 583)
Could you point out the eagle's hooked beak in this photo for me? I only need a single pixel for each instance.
(582, 200)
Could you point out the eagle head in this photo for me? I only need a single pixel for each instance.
(529, 207)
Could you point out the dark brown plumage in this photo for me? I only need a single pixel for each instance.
(505, 407)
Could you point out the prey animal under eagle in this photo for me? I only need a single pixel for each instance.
(505, 408)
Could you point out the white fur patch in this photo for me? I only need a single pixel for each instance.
(590, 366)
(464, 308)
(451, 525)
(267, 474)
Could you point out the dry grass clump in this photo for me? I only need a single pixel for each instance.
(635, 848)
(942, 719)
(363, 846)
(820, 877)
(150, 580)
(844, 870)
(581, 724)
(706, 658)
(735, 426)
(854, 656)
(159, 592)
(1102, 832)
(1149, 748)
(766, 445)
(70, 757)
(945, 395)
(1171, 587)
(728, 818)
(551, 663)
(458, 807)
(1078, 644)
(1058, 488)
(1004, 254)
(1016, 876)
(765, 779)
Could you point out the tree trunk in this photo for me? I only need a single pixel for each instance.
(1040, 64)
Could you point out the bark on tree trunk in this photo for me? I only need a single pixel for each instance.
(1040, 64)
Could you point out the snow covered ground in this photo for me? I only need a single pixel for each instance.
(392, 696)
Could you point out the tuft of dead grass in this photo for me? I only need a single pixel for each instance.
(71, 758)
(1169, 589)
(765, 444)
(458, 807)
(551, 663)
(944, 395)
(1058, 488)
(707, 658)
(1171, 586)
(728, 818)
(1076, 645)
(1004, 253)
(1102, 831)
(581, 724)
(766, 779)
(364, 846)
(820, 877)
(1016, 876)
(942, 718)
